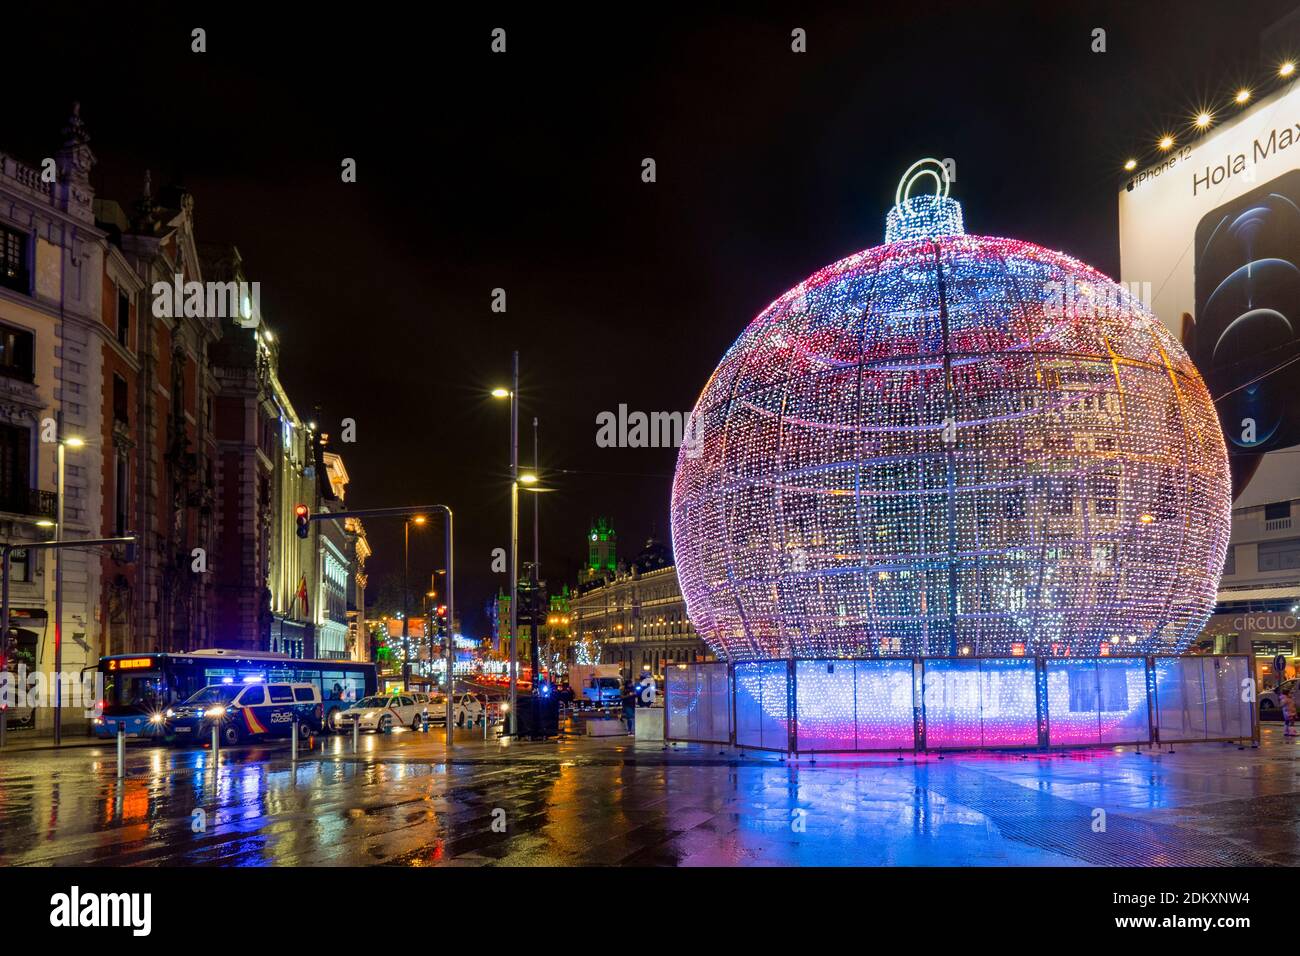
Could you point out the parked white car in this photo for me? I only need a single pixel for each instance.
(383, 712)
(1270, 701)
(470, 709)
(435, 706)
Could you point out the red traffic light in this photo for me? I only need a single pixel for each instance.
(304, 519)
(301, 511)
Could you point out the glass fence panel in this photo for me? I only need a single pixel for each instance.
(1073, 717)
(1122, 707)
(1180, 699)
(885, 706)
(1228, 697)
(718, 699)
(749, 729)
(825, 705)
(951, 691)
(681, 696)
(1008, 703)
(761, 705)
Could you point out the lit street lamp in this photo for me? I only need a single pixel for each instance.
(64, 443)
(406, 591)
(513, 394)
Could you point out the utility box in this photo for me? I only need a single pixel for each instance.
(537, 717)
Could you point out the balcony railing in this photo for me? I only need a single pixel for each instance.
(1277, 524)
(30, 501)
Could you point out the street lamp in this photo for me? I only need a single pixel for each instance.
(530, 480)
(406, 591)
(512, 393)
(64, 443)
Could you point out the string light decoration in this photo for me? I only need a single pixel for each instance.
(951, 445)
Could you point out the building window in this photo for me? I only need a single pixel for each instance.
(20, 565)
(1277, 510)
(15, 457)
(1279, 555)
(1230, 560)
(122, 478)
(123, 319)
(14, 271)
(1105, 490)
(15, 353)
(121, 405)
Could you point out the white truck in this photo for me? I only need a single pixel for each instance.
(596, 684)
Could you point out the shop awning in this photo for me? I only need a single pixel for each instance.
(1287, 592)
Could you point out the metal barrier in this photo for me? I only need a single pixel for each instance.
(862, 705)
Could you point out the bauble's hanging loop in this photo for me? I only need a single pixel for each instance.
(924, 216)
(923, 167)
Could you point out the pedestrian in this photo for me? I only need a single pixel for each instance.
(629, 706)
(1288, 713)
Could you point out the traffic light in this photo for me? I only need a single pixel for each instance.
(303, 514)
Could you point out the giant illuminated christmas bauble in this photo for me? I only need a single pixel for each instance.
(951, 445)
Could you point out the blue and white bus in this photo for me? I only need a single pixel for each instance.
(138, 688)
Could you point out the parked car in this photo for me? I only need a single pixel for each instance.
(470, 709)
(244, 711)
(436, 708)
(1270, 701)
(383, 712)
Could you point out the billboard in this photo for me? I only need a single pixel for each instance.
(1212, 230)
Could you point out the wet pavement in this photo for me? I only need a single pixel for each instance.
(612, 802)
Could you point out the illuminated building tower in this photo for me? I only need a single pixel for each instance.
(601, 558)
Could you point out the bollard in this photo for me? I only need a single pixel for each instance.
(214, 741)
(4, 720)
(293, 753)
(356, 735)
(121, 751)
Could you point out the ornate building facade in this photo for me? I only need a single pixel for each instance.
(246, 436)
(175, 446)
(187, 438)
(635, 617)
(332, 564)
(52, 280)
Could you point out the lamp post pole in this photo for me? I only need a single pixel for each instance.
(451, 631)
(406, 610)
(58, 602)
(514, 545)
(536, 576)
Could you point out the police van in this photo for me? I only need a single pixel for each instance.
(245, 711)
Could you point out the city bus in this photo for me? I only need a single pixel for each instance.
(138, 688)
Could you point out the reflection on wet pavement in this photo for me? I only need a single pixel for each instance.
(609, 802)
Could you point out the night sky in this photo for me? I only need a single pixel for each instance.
(522, 171)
